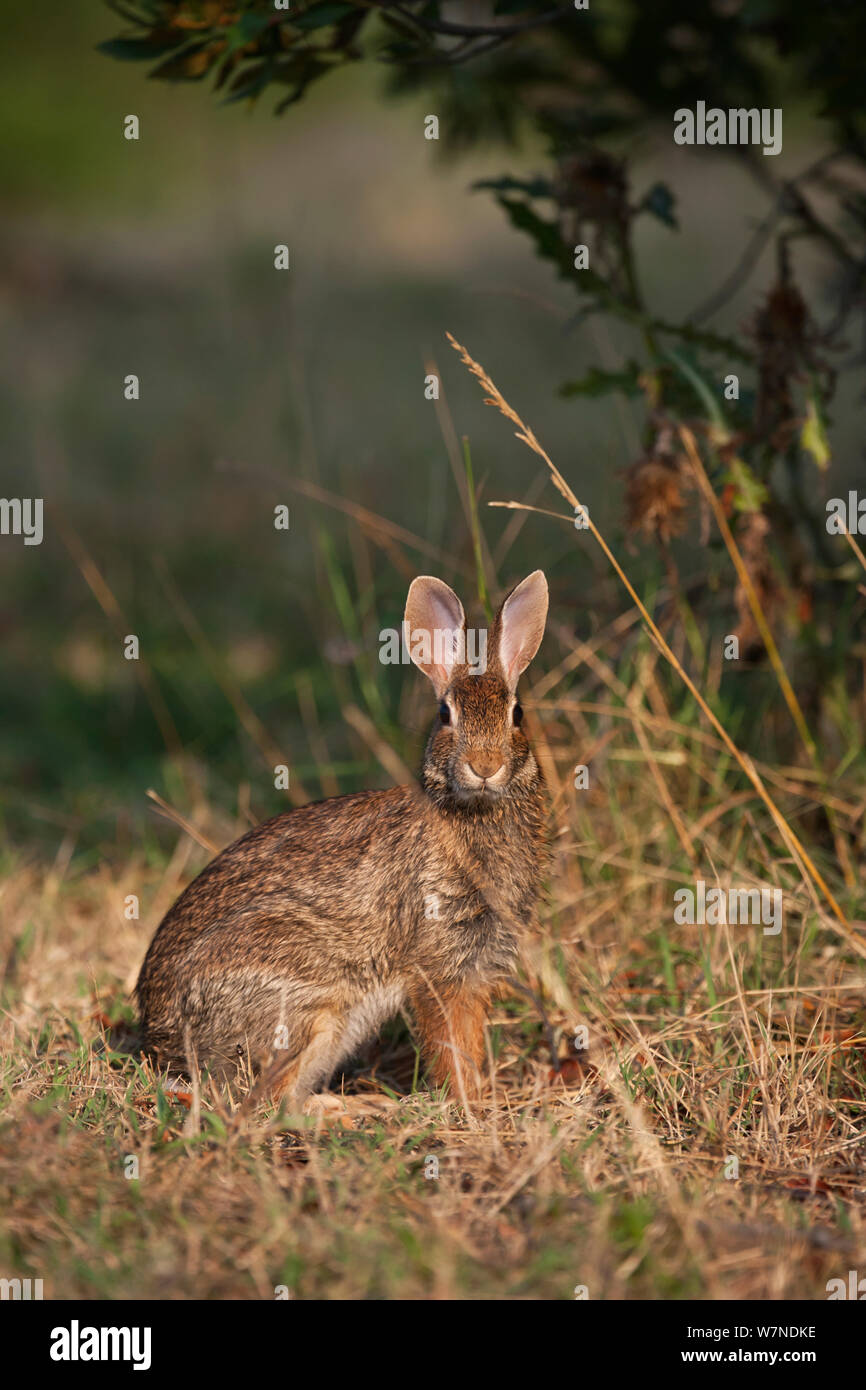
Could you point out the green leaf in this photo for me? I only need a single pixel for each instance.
(319, 16)
(538, 187)
(703, 392)
(750, 495)
(248, 28)
(598, 382)
(189, 64)
(142, 50)
(813, 436)
(550, 246)
(300, 74)
(548, 242)
(661, 202)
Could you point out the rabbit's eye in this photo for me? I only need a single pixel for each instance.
(444, 713)
(517, 715)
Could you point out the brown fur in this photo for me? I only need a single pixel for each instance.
(298, 941)
(452, 1035)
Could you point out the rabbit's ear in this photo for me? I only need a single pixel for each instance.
(433, 629)
(519, 627)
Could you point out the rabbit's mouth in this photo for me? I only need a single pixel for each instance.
(471, 786)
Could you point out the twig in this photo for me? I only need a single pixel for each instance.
(442, 26)
(177, 819)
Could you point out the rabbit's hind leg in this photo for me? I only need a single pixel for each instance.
(451, 1027)
(295, 1079)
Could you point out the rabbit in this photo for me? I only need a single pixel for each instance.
(298, 941)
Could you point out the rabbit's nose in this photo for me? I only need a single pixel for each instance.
(485, 765)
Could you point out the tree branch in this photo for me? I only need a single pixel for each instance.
(472, 31)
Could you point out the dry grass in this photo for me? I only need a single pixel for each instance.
(704, 1043)
(709, 1143)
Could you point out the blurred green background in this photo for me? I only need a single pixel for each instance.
(156, 258)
